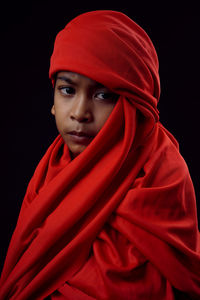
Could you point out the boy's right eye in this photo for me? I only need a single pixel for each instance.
(66, 90)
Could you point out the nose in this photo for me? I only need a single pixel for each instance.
(81, 110)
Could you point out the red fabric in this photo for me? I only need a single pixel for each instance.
(119, 221)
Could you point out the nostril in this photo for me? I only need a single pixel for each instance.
(86, 117)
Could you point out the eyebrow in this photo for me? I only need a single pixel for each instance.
(70, 81)
(66, 79)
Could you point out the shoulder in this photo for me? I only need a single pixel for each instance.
(165, 164)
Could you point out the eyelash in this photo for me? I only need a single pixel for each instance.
(71, 91)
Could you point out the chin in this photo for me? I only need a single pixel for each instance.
(75, 152)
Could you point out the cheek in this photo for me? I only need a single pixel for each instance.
(61, 119)
(102, 114)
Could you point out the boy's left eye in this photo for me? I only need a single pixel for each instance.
(105, 95)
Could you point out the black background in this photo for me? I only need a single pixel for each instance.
(28, 30)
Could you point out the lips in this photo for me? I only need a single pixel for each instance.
(80, 137)
(80, 134)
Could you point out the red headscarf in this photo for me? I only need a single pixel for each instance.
(119, 221)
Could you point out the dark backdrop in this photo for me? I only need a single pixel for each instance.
(28, 30)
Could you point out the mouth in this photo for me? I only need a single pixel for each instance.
(80, 134)
(80, 137)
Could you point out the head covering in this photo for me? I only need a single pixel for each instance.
(119, 221)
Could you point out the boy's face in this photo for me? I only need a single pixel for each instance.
(81, 108)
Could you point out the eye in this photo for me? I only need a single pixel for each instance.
(66, 90)
(106, 96)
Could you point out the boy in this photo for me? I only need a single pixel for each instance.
(110, 211)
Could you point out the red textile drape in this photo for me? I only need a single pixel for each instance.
(119, 221)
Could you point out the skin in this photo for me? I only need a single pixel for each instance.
(81, 108)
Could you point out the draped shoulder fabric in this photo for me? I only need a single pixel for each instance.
(119, 221)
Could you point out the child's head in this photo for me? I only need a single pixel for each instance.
(96, 57)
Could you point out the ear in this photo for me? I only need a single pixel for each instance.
(53, 110)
